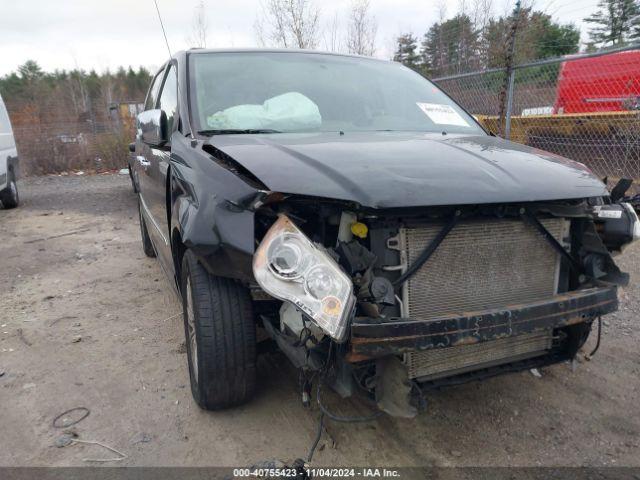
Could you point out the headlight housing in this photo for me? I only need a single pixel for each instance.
(288, 266)
(618, 225)
(635, 229)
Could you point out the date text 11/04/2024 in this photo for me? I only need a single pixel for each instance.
(317, 472)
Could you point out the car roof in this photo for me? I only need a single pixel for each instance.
(275, 50)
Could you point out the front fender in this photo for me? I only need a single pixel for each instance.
(207, 211)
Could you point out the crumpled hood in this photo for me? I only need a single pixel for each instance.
(389, 169)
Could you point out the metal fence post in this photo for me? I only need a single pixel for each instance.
(507, 123)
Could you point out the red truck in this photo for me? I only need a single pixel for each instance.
(609, 83)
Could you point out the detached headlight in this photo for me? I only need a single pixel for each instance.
(288, 266)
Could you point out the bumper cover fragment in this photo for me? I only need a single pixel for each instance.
(402, 335)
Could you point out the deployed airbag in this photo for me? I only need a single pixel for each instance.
(287, 112)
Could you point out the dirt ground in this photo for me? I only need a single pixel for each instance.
(88, 321)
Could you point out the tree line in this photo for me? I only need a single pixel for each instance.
(473, 40)
(64, 120)
(78, 90)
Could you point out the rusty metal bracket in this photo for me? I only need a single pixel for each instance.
(530, 218)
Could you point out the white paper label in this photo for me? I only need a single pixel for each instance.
(442, 114)
(610, 213)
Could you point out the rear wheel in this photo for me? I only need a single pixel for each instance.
(9, 196)
(147, 246)
(220, 336)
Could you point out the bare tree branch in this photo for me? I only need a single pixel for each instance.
(362, 29)
(199, 27)
(331, 37)
(288, 24)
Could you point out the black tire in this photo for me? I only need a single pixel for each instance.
(220, 337)
(147, 246)
(9, 196)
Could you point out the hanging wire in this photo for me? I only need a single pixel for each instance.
(593, 352)
(325, 412)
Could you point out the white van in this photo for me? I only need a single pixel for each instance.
(8, 162)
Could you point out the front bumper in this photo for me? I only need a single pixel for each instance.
(372, 339)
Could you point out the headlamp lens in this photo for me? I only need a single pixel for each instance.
(319, 282)
(289, 266)
(285, 257)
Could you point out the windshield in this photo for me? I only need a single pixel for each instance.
(269, 92)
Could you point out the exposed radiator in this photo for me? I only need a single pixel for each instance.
(440, 362)
(481, 265)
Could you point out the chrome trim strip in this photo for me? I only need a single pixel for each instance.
(150, 217)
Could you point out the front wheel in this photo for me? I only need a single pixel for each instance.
(220, 336)
(9, 196)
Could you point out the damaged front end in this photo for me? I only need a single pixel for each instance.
(395, 302)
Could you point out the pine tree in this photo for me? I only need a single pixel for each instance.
(451, 47)
(538, 36)
(614, 22)
(406, 51)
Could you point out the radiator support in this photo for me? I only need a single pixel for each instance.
(481, 265)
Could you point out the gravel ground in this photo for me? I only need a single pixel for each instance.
(87, 320)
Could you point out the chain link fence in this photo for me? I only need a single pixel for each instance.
(584, 107)
(57, 140)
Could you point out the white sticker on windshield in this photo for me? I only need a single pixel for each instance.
(442, 114)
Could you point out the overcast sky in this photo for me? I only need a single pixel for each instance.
(101, 34)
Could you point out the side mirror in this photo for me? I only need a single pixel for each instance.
(132, 147)
(152, 127)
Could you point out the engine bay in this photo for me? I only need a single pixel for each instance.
(423, 267)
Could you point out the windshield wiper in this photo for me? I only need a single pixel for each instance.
(237, 131)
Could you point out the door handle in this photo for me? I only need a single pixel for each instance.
(143, 161)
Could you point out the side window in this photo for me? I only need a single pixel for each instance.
(169, 97)
(152, 97)
(5, 125)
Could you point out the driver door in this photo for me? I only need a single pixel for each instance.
(157, 168)
(148, 176)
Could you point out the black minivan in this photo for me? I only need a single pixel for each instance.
(366, 225)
